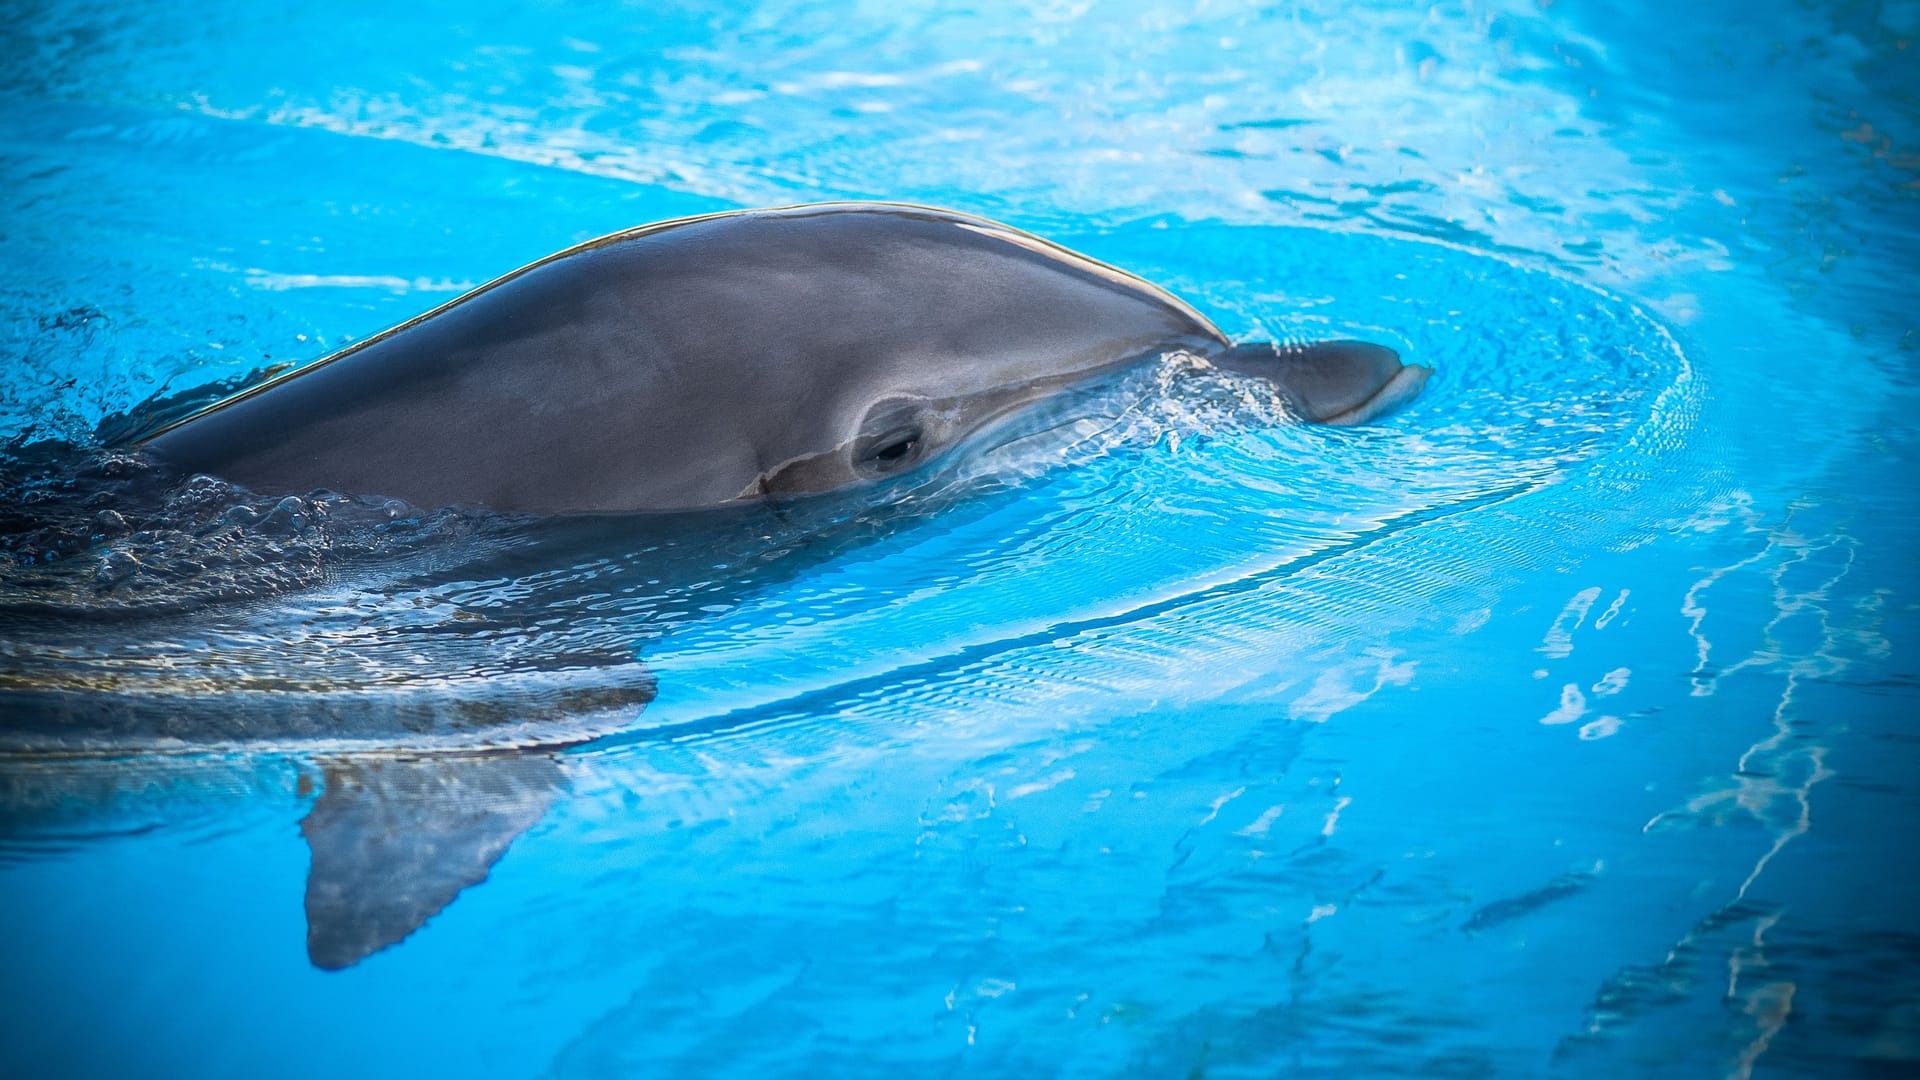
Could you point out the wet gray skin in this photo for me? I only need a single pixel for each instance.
(727, 358)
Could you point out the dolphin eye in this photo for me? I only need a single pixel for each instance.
(891, 452)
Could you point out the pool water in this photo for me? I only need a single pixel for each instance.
(1559, 723)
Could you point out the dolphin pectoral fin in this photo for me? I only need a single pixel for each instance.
(1332, 382)
(394, 840)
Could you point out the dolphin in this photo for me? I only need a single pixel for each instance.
(727, 358)
(662, 394)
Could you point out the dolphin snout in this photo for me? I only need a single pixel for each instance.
(1332, 382)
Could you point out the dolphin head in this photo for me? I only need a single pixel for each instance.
(893, 433)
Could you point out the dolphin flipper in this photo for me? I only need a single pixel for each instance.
(394, 840)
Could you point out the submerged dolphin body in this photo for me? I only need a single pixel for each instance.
(730, 357)
(419, 711)
(709, 364)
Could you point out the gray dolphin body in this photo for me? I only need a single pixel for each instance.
(730, 357)
(705, 363)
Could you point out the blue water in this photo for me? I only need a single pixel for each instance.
(1560, 723)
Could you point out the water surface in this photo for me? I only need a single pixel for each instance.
(1557, 724)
